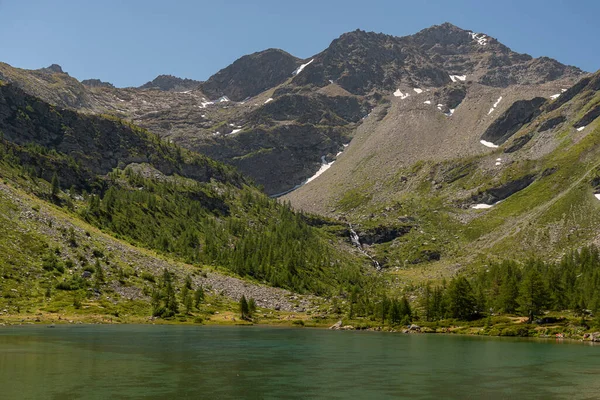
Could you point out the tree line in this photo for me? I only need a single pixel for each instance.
(528, 290)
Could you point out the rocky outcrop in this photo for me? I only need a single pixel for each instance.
(518, 114)
(589, 117)
(450, 96)
(361, 62)
(519, 143)
(53, 69)
(551, 123)
(93, 83)
(96, 144)
(278, 157)
(589, 83)
(318, 109)
(251, 75)
(382, 234)
(170, 82)
(496, 194)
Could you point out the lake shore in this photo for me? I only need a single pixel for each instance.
(517, 328)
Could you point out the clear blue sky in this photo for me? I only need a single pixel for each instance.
(129, 42)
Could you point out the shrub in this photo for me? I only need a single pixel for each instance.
(147, 276)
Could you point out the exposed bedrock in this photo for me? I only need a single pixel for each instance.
(518, 114)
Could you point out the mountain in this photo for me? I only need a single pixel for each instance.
(97, 83)
(170, 82)
(500, 177)
(280, 119)
(251, 75)
(397, 160)
(362, 62)
(99, 207)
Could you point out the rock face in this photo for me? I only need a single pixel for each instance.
(53, 69)
(96, 144)
(519, 114)
(170, 82)
(251, 75)
(551, 123)
(494, 195)
(96, 83)
(382, 234)
(589, 117)
(361, 61)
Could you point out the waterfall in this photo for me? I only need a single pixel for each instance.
(356, 242)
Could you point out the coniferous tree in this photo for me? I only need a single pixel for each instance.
(461, 300)
(198, 296)
(251, 307)
(55, 185)
(384, 308)
(170, 300)
(244, 309)
(531, 293)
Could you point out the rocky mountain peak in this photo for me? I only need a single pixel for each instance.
(97, 83)
(169, 82)
(251, 75)
(53, 69)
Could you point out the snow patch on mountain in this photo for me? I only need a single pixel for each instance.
(488, 144)
(479, 38)
(301, 68)
(495, 105)
(324, 167)
(456, 78)
(402, 96)
(270, 99)
(419, 91)
(482, 206)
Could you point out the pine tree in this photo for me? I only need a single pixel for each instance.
(244, 309)
(531, 293)
(55, 185)
(461, 300)
(171, 305)
(188, 302)
(384, 308)
(251, 306)
(198, 296)
(404, 307)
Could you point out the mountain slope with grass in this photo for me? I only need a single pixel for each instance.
(97, 209)
(520, 185)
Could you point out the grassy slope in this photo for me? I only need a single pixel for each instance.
(31, 229)
(556, 213)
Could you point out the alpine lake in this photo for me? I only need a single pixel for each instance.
(212, 362)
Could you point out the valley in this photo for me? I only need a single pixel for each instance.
(351, 185)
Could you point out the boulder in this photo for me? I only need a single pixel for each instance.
(337, 326)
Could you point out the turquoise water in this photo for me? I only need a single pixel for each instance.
(172, 362)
